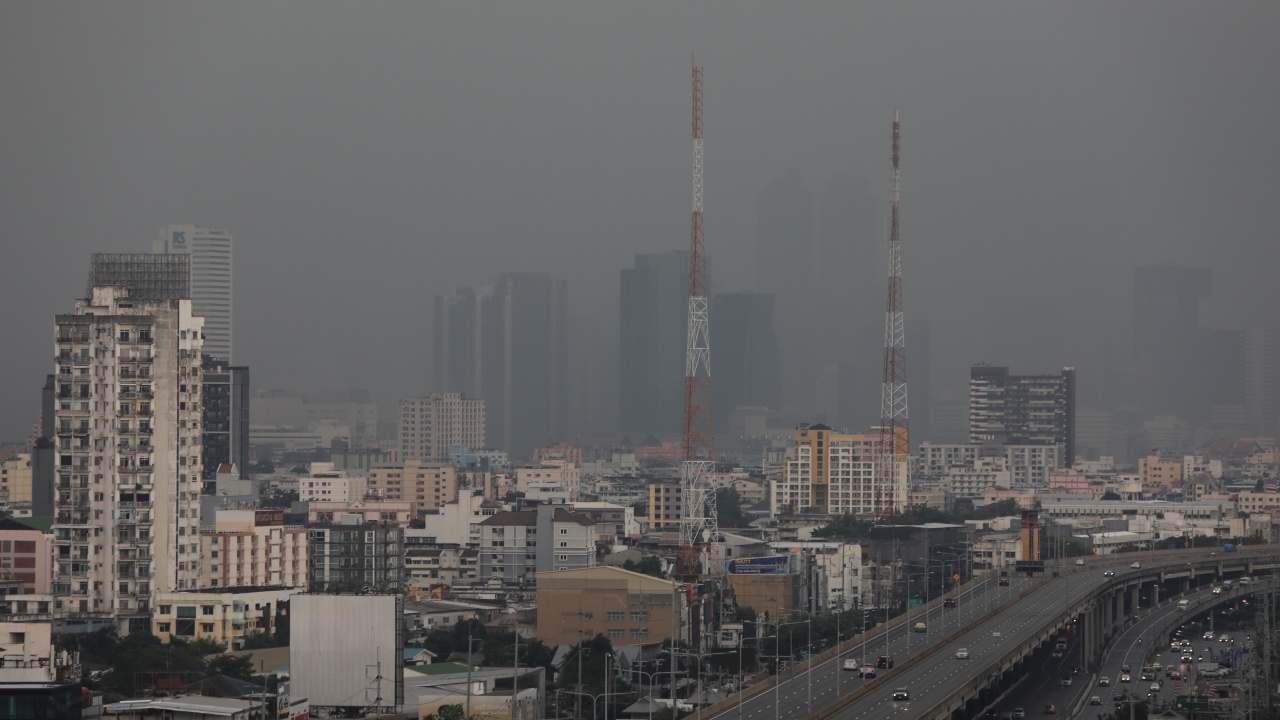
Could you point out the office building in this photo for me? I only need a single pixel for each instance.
(506, 344)
(431, 425)
(128, 448)
(627, 607)
(212, 273)
(1009, 409)
(225, 394)
(652, 329)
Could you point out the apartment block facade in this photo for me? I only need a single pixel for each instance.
(431, 425)
(251, 548)
(514, 546)
(424, 485)
(128, 458)
(225, 615)
(351, 555)
(836, 473)
(1007, 409)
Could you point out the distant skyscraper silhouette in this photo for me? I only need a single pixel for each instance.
(785, 269)
(506, 344)
(1167, 340)
(747, 367)
(211, 280)
(651, 343)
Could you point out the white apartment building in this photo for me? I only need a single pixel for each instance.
(253, 548)
(431, 425)
(972, 481)
(212, 273)
(127, 417)
(1027, 464)
(324, 483)
(455, 523)
(834, 572)
(836, 473)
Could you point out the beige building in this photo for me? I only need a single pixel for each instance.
(26, 556)
(666, 505)
(776, 595)
(1252, 502)
(393, 512)
(1154, 470)
(226, 615)
(15, 479)
(561, 472)
(430, 425)
(253, 548)
(629, 608)
(425, 485)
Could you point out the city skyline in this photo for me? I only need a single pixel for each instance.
(1033, 192)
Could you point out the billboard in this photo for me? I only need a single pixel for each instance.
(268, 517)
(769, 565)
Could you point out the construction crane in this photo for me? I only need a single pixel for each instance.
(698, 521)
(894, 437)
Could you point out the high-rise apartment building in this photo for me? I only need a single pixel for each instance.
(653, 323)
(507, 345)
(211, 279)
(225, 392)
(1009, 409)
(128, 451)
(836, 473)
(430, 425)
(351, 554)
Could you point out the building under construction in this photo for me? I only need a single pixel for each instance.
(148, 276)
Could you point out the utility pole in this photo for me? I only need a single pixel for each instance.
(469, 666)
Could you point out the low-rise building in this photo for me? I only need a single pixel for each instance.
(26, 555)
(36, 681)
(427, 567)
(561, 472)
(324, 483)
(358, 511)
(629, 608)
(456, 523)
(614, 523)
(184, 707)
(227, 615)
(15, 479)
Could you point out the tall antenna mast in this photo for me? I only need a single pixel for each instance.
(698, 522)
(894, 437)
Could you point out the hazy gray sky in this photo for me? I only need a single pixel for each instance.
(370, 155)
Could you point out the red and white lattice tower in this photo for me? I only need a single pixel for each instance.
(894, 437)
(698, 522)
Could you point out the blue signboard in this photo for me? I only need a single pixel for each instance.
(771, 565)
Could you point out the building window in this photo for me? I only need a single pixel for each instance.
(166, 610)
(616, 616)
(206, 628)
(163, 627)
(617, 634)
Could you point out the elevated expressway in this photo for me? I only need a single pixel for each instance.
(999, 626)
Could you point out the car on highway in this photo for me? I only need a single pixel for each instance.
(1056, 653)
(866, 671)
(962, 654)
(949, 602)
(1003, 582)
(901, 694)
(1095, 700)
(885, 661)
(1136, 565)
(1224, 638)
(1066, 682)
(1175, 675)
(1148, 673)
(1124, 668)
(851, 664)
(1079, 561)
(1186, 657)
(920, 627)
(1104, 681)
(1208, 635)
(1050, 710)
(1109, 573)
(1125, 677)
(1018, 713)
(1217, 590)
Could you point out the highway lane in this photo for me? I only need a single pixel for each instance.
(1043, 683)
(932, 679)
(826, 682)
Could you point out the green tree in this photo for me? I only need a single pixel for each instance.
(202, 645)
(849, 527)
(729, 509)
(236, 666)
(649, 565)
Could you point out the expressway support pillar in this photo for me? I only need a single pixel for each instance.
(1133, 599)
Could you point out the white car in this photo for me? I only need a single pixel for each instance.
(1079, 561)
(1224, 638)
(1136, 565)
(962, 654)
(851, 664)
